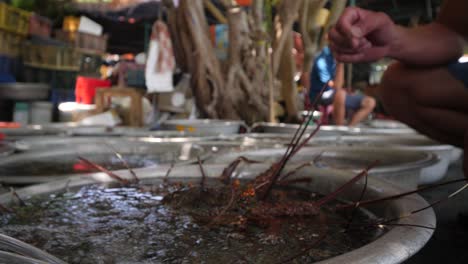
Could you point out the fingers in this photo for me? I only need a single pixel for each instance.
(350, 17)
(370, 22)
(341, 39)
(366, 55)
(361, 46)
(360, 35)
(358, 23)
(344, 37)
(343, 33)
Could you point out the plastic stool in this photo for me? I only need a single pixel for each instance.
(134, 117)
(327, 111)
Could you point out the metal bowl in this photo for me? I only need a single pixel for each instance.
(14, 133)
(290, 129)
(409, 142)
(53, 142)
(6, 149)
(204, 126)
(395, 246)
(24, 91)
(387, 124)
(330, 130)
(402, 167)
(54, 163)
(381, 131)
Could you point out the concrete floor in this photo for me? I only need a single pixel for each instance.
(449, 245)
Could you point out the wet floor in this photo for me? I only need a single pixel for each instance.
(450, 241)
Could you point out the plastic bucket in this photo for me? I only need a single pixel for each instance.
(41, 112)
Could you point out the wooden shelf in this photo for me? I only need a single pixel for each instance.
(90, 51)
(54, 68)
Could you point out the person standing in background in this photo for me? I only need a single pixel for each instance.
(327, 73)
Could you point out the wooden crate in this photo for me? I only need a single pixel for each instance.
(83, 41)
(40, 26)
(51, 57)
(14, 20)
(10, 43)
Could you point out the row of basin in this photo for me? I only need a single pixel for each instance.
(406, 160)
(412, 159)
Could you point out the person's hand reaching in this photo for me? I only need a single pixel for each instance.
(362, 36)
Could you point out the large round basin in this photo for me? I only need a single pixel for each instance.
(396, 245)
(399, 166)
(54, 163)
(47, 142)
(408, 142)
(204, 126)
(290, 129)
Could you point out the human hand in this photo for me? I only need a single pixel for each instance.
(362, 36)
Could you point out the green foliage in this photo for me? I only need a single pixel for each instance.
(24, 4)
(52, 9)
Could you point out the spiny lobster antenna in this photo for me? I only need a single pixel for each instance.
(294, 144)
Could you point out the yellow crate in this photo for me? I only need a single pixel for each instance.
(52, 57)
(70, 24)
(14, 20)
(10, 43)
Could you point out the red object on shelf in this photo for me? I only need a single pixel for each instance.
(85, 89)
(244, 2)
(40, 26)
(82, 167)
(9, 125)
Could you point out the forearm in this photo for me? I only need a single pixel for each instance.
(432, 44)
(339, 76)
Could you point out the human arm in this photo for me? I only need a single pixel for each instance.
(339, 76)
(363, 36)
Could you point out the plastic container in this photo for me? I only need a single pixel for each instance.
(85, 89)
(51, 57)
(14, 19)
(71, 111)
(5, 63)
(21, 113)
(10, 43)
(41, 113)
(244, 2)
(40, 26)
(87, 43)
(70, 24)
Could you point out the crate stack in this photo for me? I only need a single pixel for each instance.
(70, 54)
(14, 27)
(89, 47)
